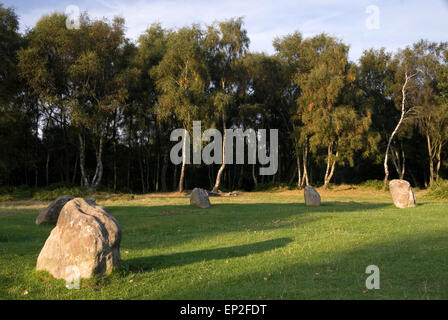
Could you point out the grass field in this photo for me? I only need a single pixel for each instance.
(265, 245)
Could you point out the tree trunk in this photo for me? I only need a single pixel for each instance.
(128, 175)
(293, 176)
(234, 181)
(329, 160)
(130, 153)
(66, 152)
(75, 170)
(181, 179)
(96, 180)
(182, 172)
(333, 166)
(223, 165)
(254, 176)
(157, 172)
(431, 160)
(298, 169)
(305, 180)
(399, 161)
(115, 166)
(403, 113)
(229, 180)
(142, 175)
(163, 173)
(241, 177)
(210, 176)
(414, 180)
(439, 151)
(82, 157)
(403, 165)
(46, 167)
(99, 166)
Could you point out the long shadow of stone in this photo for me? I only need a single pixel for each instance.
(411, 267)
(149, 226)
(145, 264)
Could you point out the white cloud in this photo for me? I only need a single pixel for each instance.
(401, 22)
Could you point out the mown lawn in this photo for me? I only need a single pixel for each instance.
(256, 246)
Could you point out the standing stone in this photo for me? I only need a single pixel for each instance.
(50, 215)
(199, 198)
(86, 240)
(402, 194)
(312, 197)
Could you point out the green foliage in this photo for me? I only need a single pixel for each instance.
(49, 193)
(53, 192)
(374, 184)
(70, 99)
(439, 190)
(330, 120)
(273, 186)
(15, 193)
(10, 43)
(181, 76)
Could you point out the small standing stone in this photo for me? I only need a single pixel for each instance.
(312, 197)
(50, 214)
(402, 194)
(199, 198)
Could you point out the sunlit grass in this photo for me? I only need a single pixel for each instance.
(265, 245)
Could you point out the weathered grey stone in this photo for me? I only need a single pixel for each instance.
(312, 197)
(402, 194)
(199, 198)
(50, 214)
(86, 239)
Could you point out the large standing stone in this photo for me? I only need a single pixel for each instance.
(402, 194)
(199, 198)
(312, 197)
(50, 214)
(86, 237)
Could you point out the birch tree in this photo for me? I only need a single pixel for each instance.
(329, 122)
(405, 75)
(227, 42)
(181, 79)
(430, 111)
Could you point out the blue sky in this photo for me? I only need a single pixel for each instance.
(401, 22)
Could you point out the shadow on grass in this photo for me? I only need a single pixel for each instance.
(411, 267)
(184, 258)
(148, 226)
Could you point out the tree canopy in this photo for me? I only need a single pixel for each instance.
(89, 107)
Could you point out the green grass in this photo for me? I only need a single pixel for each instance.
(265, 245)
